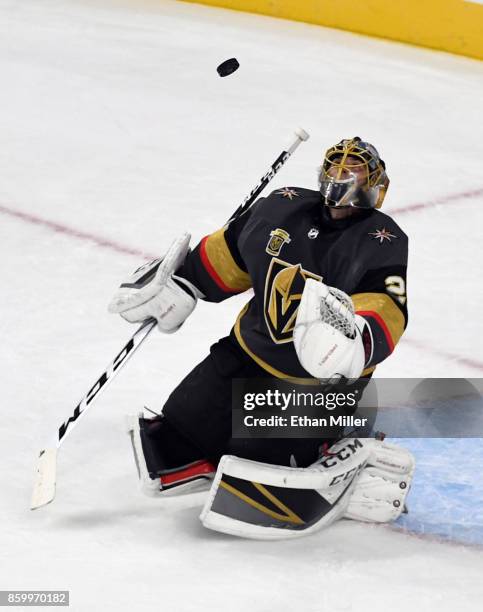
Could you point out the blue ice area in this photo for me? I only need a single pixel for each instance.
(446, 498)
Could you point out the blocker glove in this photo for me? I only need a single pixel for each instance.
(154, 291)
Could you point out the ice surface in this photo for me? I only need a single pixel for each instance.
(446, 499)
(115, 126)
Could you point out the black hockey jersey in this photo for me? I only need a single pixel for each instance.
(281, 241)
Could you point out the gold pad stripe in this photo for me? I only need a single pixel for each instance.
(288, 517)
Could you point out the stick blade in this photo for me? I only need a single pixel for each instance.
(44, 486)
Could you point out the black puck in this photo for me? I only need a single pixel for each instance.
(228, 67)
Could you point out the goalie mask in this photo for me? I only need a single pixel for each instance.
(353, 175)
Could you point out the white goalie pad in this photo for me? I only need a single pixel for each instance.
(149, 486)
(263, 501)
(193, 480)
(139, 287)
(153, 291)
(380, 492)
(326, 334)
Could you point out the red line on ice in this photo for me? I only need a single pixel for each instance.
(74, 233)
(115, 246)
(120, 248)
(472, 363)
(449, 199)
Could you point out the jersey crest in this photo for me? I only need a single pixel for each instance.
(284, 285)
(278, 237)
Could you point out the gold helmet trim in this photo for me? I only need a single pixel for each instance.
(340, 157)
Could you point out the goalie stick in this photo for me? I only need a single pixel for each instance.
(46, 474)
(301, 136)
(44, 487)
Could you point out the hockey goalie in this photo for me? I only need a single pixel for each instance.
(328, 273)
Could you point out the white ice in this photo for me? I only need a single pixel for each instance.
(114, 122)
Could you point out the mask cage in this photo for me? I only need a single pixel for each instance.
(341, 157)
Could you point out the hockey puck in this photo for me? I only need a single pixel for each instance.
(228, 67)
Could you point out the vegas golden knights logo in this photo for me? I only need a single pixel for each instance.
(284, 285)
(278, 237)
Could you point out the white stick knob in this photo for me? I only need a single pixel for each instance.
(302, 134)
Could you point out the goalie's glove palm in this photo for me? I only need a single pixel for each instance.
(327, 334)
(153, 291)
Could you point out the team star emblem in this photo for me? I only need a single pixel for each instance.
(382, 234)
(288, 193)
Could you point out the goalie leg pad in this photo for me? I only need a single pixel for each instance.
(155, 477)
(263, 501)
(362, 479)
(380, 492)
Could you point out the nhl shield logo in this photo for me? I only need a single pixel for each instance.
(278, 237)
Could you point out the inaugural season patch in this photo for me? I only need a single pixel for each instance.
(284, 285)
(278, 237)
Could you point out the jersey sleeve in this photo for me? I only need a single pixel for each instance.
(380, 298)
(216, 266)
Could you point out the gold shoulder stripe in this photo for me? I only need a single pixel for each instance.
(220, 264)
